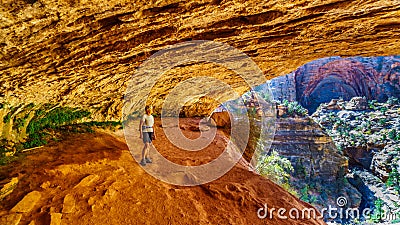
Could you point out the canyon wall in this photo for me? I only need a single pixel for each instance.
(335, 77)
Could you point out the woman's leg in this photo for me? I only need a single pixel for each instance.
(147, 150)
(144, 150)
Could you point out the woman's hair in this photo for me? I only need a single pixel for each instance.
(148, 108)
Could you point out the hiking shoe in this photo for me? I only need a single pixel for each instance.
(148, 160)
(143, 162)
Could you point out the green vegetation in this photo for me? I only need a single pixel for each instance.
(376, 127)
(294, 108)
(379, 213)
(394, 180)
(7, 118)
(304, 194)
(383, 110)
(362, 128)
(12, 110)
(43, 124)
(300, 170)
(265, 95)
(36, 129)
(276, 168)
(382, 121)
(372, 104)
(392, 134)
(19, 123)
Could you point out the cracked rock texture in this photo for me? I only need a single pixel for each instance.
(83, 53)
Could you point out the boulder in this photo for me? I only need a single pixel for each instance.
(381, 161)
(27, 203)
(333, 105)
(8, 188)
(68, 204)
(87, 181)
(357, 104)
(281, 110)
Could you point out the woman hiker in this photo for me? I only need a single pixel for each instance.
(147, 134)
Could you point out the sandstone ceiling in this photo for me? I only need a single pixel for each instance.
(83, 53)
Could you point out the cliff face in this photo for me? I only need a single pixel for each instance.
(317, 163)
(83, 53)
(375, 78)
(334, 77)
(303, 142)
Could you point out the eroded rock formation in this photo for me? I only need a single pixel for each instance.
(83, 53)
(333, 78)
(315, 159)
(369, 138)
(304, 142)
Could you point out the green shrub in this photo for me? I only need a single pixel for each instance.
(7, 118)
(300, 170)
(285, 102)
(30, 106)
(3, 157)
(383, 110)
(12, 110)
(19, 123)
(48, 119)
(392, 134)
(304, 196)
(372, 104)
(379, 213)
(394, 179)
(275, 168)
(51, 120)
(294, 108)
(384, 137)
(313, 199)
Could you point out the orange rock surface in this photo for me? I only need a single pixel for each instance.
(83, 53)
(123, 193)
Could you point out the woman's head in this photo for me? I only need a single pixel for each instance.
(148, 110)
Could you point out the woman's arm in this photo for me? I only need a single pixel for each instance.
(140, 128)
(154, 130)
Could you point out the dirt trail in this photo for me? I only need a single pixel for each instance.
(93, 179)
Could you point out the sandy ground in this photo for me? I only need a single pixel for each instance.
(93, 179)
